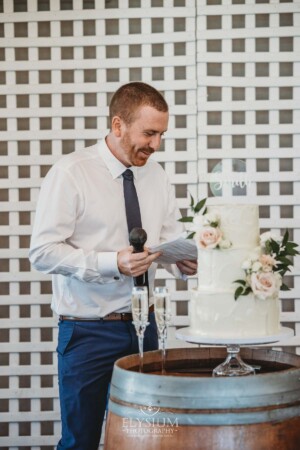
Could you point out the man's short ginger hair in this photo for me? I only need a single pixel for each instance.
(129, 98)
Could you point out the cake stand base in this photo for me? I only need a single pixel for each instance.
(233, 364)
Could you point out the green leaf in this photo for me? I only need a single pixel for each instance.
(200, 205)
(292, 244)
(186, 219)
(243, 282)
(192, 202)
(247, 291)
(284, 287)
(274, 246)
(214, 224)
(191, 235)
(284, 260)
(285, 238)
(238, 292)
(290, 248)
(268, 247)
(281, 269)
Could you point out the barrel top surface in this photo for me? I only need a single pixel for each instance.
(275, 386)
(285, 361)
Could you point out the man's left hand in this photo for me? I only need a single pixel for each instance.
(187, 267)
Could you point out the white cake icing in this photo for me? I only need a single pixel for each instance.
(214, 312)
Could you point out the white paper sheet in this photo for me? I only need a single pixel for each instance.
(175, 250)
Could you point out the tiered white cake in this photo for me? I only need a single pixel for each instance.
(214, 312)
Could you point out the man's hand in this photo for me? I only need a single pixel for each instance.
(135, 264)
(187, 267)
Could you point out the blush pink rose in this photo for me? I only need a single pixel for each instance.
(209, 237)
(267, 262)
(265, 284)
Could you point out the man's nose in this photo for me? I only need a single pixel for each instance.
(155, 141)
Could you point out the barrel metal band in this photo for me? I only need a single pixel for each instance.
(208, 417)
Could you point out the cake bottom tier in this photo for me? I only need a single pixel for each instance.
(220, 315)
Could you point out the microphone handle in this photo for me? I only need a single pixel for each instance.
(140, 280)
(137, 238)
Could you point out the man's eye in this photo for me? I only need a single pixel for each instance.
(153, 133)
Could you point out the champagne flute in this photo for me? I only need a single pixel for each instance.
(140, 312)
(162, 309)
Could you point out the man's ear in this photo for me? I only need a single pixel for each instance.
(116, 126)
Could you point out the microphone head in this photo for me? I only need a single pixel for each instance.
(137, 238)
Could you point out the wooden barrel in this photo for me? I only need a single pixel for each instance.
(188, 409)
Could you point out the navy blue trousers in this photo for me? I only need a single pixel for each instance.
(86, 353)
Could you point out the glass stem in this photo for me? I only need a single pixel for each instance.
(163, 356)
(233, 353)
(141, 350)
(163, 338)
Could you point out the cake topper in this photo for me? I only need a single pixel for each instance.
(230, 175)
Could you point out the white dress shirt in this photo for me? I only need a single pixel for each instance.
(80, 225)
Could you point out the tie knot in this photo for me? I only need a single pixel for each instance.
(128, 175)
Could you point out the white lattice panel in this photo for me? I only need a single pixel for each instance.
(248, 109)
(60, 63)
(230, 73)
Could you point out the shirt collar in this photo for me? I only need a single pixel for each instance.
(115, 167)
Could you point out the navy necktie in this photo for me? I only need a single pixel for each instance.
(132, 206)
(133, 214)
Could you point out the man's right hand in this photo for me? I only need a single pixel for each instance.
(135, 264)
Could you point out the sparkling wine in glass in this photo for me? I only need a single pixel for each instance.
(162, 309)
(140, 312)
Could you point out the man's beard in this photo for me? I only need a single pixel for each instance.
(131, 152)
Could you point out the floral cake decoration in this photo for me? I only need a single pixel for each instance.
(206, 226)
(265, 266)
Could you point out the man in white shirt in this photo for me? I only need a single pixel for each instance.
(80, 236)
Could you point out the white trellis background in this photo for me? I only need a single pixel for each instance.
(229, 70)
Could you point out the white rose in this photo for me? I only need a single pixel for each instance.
(210, 218)
(247, 264)
(198, 221)
(225, 244)
(209, 237)
(256, 266)
(265, 284)
(196, 224)
(268, 235)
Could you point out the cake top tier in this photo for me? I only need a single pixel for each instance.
(239, 223)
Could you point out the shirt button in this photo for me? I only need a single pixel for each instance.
(116, 278)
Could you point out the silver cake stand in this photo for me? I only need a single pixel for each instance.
(233, 364)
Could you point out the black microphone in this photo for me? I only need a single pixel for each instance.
(137, 238)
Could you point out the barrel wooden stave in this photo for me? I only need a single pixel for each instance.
(233, 413)
(278, 436)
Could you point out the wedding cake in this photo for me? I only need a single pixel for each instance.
(239, 276)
